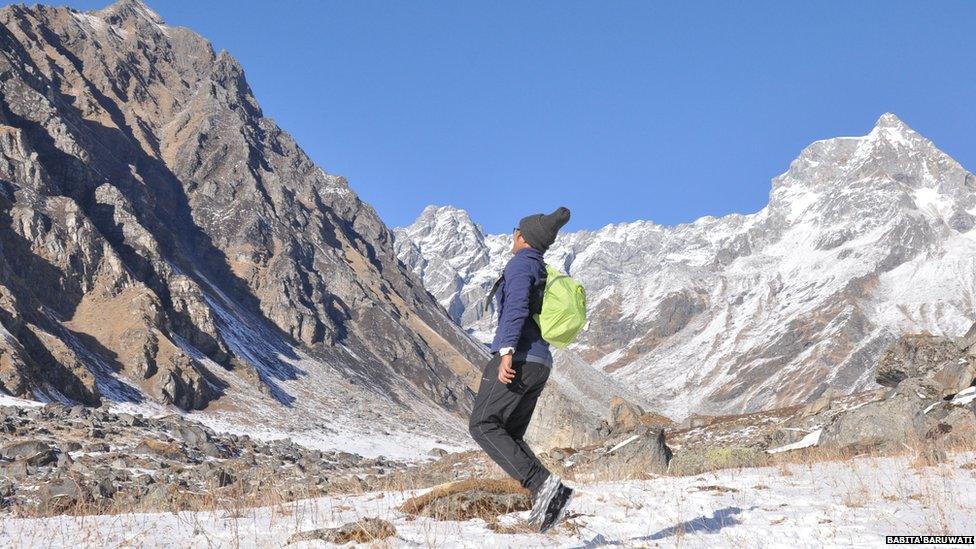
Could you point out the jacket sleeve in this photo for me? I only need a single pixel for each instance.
(518, 284)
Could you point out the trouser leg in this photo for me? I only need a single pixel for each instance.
(495, 406)
(521, 416)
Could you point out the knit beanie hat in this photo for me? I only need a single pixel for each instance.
(539, 230)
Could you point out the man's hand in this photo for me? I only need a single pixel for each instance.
(505, 371)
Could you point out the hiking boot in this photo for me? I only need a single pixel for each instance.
(542, 498)
(557, 507)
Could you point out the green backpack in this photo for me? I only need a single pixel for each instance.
(563, 312)
(563, 308)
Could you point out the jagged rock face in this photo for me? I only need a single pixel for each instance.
(864, 239)
(159, 235)
(935, 358)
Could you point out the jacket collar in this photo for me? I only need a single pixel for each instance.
(530, 252)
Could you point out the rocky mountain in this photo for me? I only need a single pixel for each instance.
(864, 239)
(163, 242)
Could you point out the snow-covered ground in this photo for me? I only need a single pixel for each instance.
(839, 504)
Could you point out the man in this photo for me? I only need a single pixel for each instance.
(518, 370)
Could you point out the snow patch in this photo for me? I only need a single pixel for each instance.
(811, 439)
(964, 397)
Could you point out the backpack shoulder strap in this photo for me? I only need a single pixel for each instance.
(494, 288)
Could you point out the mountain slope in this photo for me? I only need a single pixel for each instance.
(164, 241)
(864, 239)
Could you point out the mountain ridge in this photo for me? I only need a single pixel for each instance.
(164, 243)
(859, 210)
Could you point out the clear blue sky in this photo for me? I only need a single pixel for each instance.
(619, 110)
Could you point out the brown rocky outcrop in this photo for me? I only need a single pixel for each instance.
(158, 233)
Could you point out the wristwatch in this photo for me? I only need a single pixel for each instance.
(506, 351)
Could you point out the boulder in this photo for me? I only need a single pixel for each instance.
(695, 421)
(17, 469)
(193, 435)
(624, 415)
(24, 449)
(61, 494)
(364, 530)
(640, 455)
(968, 341)
(169, 450)
(818, 406)
(955, 377)
(915, 355)
(105, 488)
(884, 424)
(951, 425)
(181, 382)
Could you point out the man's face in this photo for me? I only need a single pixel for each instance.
(517, 241)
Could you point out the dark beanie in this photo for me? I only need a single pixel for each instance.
(539, 230)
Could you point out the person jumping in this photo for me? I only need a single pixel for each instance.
(520, 364)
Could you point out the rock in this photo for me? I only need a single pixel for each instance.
(170, 450)
(58, 495)
(211, 450)
(97, 447)
(182, 383)
(17, 469)
(365, 530)
(624, 415)
(105, 488)
(192, 434)
(24, 449)
(78, 412)
(695, 421)
(818, 406)
(968, 341)
(952, 425)
(786, 435)
(41, 458)
(223, 478)
(915, 355)
(953, 378)
(883, 424)
(472, 498)
(559, 454)
(638, 456)
(71, 446)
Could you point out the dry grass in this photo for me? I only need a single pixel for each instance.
(695, 461)
(472, 498)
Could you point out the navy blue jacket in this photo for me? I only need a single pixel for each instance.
(518, 298)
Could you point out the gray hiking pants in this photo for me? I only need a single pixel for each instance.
(501, 415)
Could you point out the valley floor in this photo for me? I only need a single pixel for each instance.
(842, 504)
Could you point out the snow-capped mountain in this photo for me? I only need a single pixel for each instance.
(864, 238)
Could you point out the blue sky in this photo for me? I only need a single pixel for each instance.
(619, 110)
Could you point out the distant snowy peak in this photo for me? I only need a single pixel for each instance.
(892, 152)
(863, 238)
